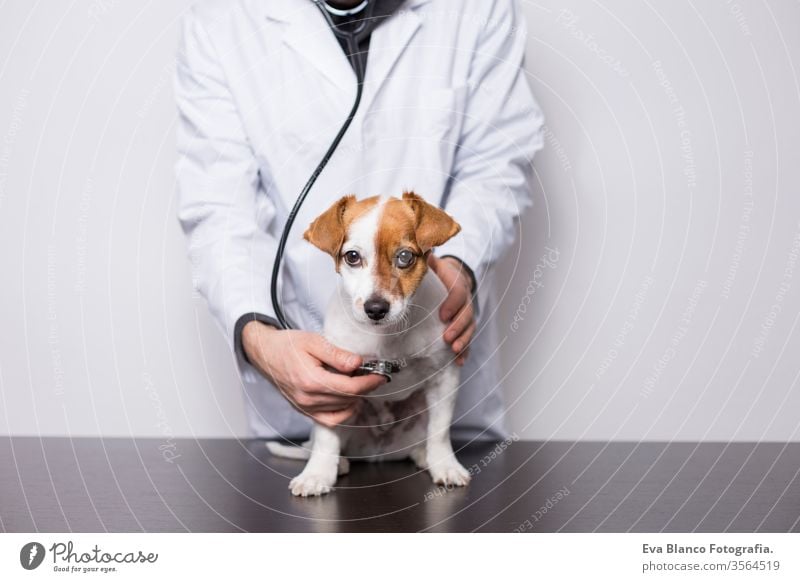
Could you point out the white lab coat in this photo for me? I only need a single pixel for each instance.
(262, 87)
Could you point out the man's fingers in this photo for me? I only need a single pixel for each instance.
(332, 383)
(434, 263)
(461, 358)
(332, 419)
(455, 280)
(322, 401)
(442, 270)
(457, 299)
(459, 323)
(462, 342)
(337, 358)
(332, 407)
(452, 304)
(453, 301)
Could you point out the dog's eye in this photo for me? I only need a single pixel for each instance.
(352, 258)
(405, 259)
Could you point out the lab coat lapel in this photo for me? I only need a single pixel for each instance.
(307, 33)
(389, 41)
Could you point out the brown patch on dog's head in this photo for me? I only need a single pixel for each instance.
(408, 224)
(329, 229)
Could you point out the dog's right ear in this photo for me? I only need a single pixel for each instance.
(328, 230)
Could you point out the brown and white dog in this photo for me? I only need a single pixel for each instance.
(386, 308)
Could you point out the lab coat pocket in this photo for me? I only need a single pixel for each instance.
(430, 114)
(441, 113)
(415, 136)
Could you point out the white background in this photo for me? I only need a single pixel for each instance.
(671, 193)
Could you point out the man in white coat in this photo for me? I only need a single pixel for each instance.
(262, 87)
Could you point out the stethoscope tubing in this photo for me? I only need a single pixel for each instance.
(353, 38)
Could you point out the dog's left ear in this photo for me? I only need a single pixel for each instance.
(434, 225)
(327, 231)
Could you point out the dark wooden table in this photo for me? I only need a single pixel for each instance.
(88, 485)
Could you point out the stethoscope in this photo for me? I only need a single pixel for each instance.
(352, 38)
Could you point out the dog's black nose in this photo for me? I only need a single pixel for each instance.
(376, 308)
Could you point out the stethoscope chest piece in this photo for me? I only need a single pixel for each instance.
(382, 367)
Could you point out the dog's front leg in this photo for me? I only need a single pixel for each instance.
(441, 399)
(319, 474)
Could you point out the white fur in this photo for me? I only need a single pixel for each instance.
(360, 282)
(410, 334)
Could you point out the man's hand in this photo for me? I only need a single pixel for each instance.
(456, 310)
(293, 361)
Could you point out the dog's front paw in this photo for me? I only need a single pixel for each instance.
(311, 484)
(449, 473)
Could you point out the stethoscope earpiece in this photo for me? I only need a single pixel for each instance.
(362, 29)
(343, 12)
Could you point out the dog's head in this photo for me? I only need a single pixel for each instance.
(380, 247)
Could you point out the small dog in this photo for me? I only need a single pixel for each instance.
(386, 308)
